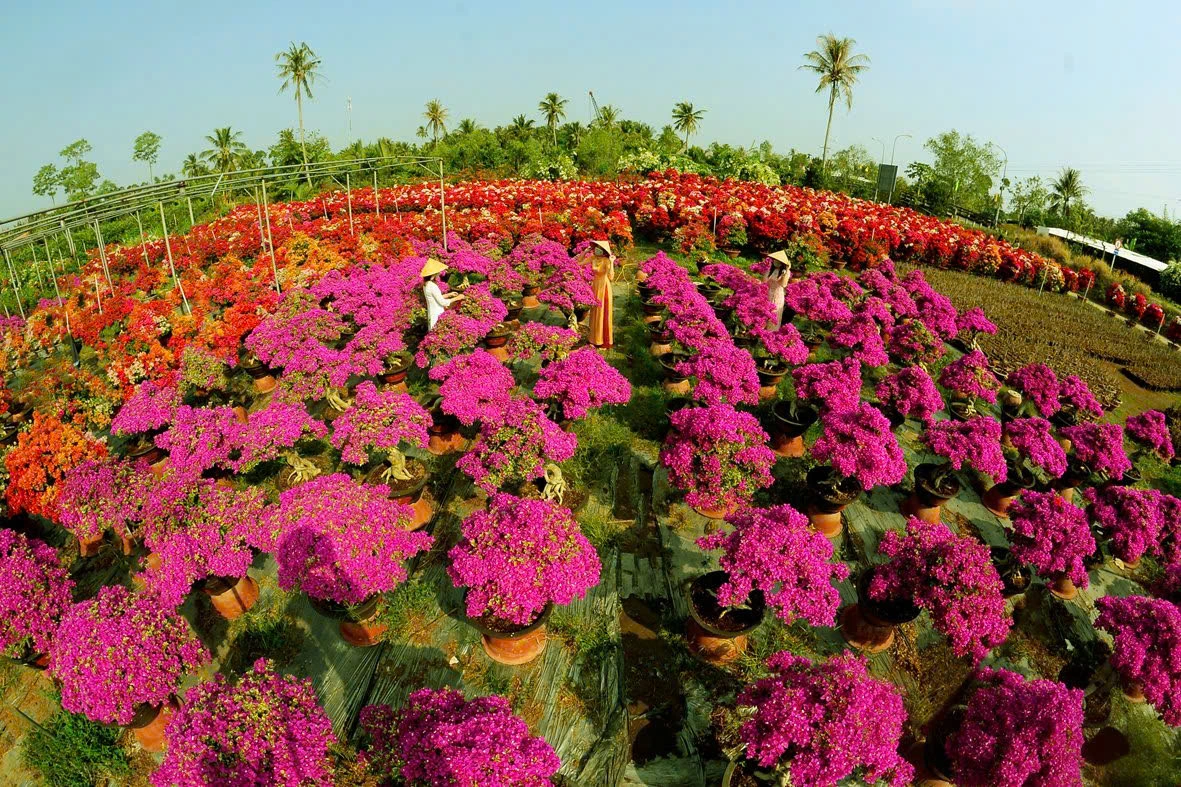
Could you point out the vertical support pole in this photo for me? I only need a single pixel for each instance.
(376, 198)
(143, 239)
(102, 254)
(70, 240)
(37, 269)
(49, 256)
(348, 190)
(171, 265)
(443, 205)
(262, 241)
(97, 295)
(266, 212)
(15, 287)
(324, 205)
(69, 330)
(192, 221)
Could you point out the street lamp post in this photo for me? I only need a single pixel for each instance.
(996, 219)
(881, 161)
(893, 150)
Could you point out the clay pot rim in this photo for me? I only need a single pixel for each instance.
(412, 490)
(354, 613)
(906, 610)
(516, 633)
(756, 599)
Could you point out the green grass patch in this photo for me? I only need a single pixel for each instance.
(69, 750)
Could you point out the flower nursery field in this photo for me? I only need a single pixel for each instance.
(270, 529)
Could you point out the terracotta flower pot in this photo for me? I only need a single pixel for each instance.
(791, 422)
(358, 625)
(444, 434)
(512, 644)
(231, 597)
(1061, 586)
(830, 495)
(89, 547)
(771, 372)
(145, 450)
(1000, 497)
(675, 382)
(716, 634)
(934, 485)
(1134, 692)
(529, 297)
(149, 724)
(713, 513)
(1015, 577)
(265, 384)
(869, 625)
(410, 492)
(397, 366)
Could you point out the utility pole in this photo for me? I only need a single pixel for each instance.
(1000, 191)
(893, 149)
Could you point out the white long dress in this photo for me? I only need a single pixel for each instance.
(436, 304)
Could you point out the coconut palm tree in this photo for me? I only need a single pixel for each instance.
(193, 166)
(297, 69)
(436, 118)
(553, 109)
(226, 151)
(686, 118)
(837, 67)
(521, 125)
(575, 130)
(420, 132)
(1067, 187)
(608, 116)
(467, 126)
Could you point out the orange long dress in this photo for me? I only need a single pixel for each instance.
(602, 333)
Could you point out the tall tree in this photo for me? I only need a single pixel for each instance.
(1029, 197)
(436, 118)
(836, 65)
(193, 166)
(297, 69)
(467, 126)
(608, 116)
(147, 150)
(227, 149)
(965, 166)
(79, 176)
(553, 109)
(1066, 188)
(686, 119)
(46, 182)
(521, 125)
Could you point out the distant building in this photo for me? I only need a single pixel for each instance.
(1139, 265)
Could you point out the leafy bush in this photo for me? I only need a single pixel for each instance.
(1170, 281)
(69, 750)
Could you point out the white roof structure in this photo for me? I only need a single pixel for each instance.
(1126, 255)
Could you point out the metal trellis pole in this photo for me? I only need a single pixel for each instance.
(171, 265)
(15, 287)
(348, 190)
(192, 221)
(262, 241)
(266, 212)
(37, 269)
(102, 254)
(97, 295)
(143, 240)
(376, 198)
(443, 205)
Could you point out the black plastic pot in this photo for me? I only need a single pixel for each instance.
(723, 621)
(831, 491)
(669, 362)
(793, 418)
(498, 629)
(935, 484)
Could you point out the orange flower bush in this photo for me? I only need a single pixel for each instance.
(40, 459)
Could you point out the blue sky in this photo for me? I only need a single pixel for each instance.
(1082, 83)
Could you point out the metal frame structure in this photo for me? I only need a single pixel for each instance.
(38, 227)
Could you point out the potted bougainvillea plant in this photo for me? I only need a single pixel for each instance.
(772, 557)
(909, 393)
(806, 724)
(35, 591)
(105, 495)
(1131, 518)
(579, 383)
(119, 659)
(264, 729)
(862, 453)
(791, 419)
(438, 738)
(1007, 736)
(516, 559)
(343, 544)
(1150, 430)
(514, 446)
(718, 456)
(1100, 447)
(1147, 650)
(1053, 536)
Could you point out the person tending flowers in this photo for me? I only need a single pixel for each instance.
(436, 301)
(601, 316)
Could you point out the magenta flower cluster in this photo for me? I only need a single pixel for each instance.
(934, 309)
(550, 342)
(440, 739)
(379, 421)
(201, 438)
(1100, 447)
(833, 386)
(300, 337)
(1034, 439)
(911, 342)
(462, 325)
(520, 555)
(974, 322)
(859, 444)
(861, 334)
(911, 392)
(1147, 651)
(1130, 517)
(514, 446)
(121, 650)
(1074, 393)
(35, 591)
(819, 298)
(971, 376)
(975, 442)
(567, 282)
(581, 382)
(338, 540)
(717, 455)
(1152, 431)
(271, 431)
(1017, 732)
(151, 407)
(1052, 535)
(475, 387)
(723, 374)
(100, 495)
(777, 551)
(1039, 384)
(266, 729)
(824, 722)
(950, 576)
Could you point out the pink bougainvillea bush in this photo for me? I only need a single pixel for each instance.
(1100, 447)
(911, 392)
(474, 387)
(515, 445)
(973, 322)
(35, 591)
(1051, 535)
(723, 374)
(858, 443)
(1150, 430)
(104, 495)
(121, 650)
(549, 342)
(461, 326)
(970, 376)
(1039, 384)
(151, 407)
(834, 386)
(379, 421)
(202, 438)
(717, 455)
(582, 382)
(265, 729)
(975, 442)
(1074, 394)
(821, 723)
(1147, 651)
(272, 430)
(338, 540)
(1034, 439)
(440, 739)
(1131, 518)
(519, 555)
(1017, 732)
(1168, 546)
(950, 576)
(777, 551)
